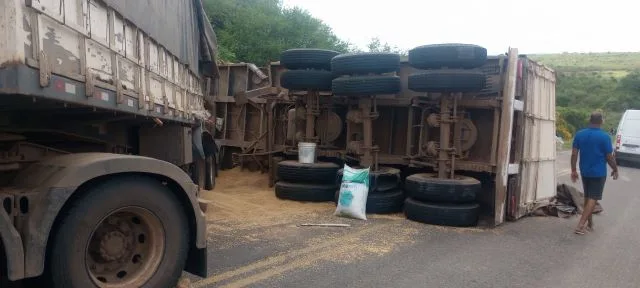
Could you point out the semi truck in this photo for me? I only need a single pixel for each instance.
(105, 141)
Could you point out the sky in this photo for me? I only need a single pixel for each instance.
(532, 26)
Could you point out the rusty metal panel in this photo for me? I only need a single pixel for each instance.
(169, 91)
(180, 99)
(539, 153)
(89, 42)
(155, 88)
(51, 8)
(99, 22)
(154, 57)
(164, 67)
(129, 74)
(144, 89)
(75, 15)
(117, 33)
(61, 45)
(131, 42)
(28, 34)
(143, 49)
(100, 61)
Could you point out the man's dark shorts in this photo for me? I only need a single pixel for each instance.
(593, 187)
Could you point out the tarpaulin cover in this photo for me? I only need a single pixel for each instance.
(180, 26)
(569, 200)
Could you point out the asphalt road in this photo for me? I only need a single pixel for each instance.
(394, 252)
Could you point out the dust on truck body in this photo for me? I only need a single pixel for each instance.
(103, 137)
(503, 135)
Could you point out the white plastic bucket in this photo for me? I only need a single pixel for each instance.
(307, 152)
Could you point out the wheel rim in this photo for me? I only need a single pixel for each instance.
(125, 248)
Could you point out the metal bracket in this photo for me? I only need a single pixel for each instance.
(119, 94)
(141, 99)
(45, 70)
(89, 86)
(166, 102)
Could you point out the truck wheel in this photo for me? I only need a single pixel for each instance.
(305, 192)
(365, 63)
(456, 215)
(464, 56)
(385, 179)
(381, 203)
(366, 85)
(307, 58)
(127, 232)
(319, 172)
(448, 81)
(385, 203)
(306, 80)
(428, 187)
(210, 173)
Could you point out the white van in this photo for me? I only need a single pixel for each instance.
(628, 137)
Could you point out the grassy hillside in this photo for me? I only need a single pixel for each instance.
(612, 62)
(593, 81)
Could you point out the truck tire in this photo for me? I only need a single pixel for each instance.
(210, 173)
(306, 80)
(204, 172)
(130, 231)
(365, 63)
(463, 56)
(448, 81)
(319, 172)
(366, 85)
(305, 192)
(385, 179)
(428, 187)
(307, 58)
(456, 215)
(381, 203)
(385, 203)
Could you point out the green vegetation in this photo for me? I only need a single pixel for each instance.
(257, 31)
(609, 82)
(586, 62)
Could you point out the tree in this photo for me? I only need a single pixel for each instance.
(375, 45)
(257, 31)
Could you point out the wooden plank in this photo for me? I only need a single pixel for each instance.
(504, 140)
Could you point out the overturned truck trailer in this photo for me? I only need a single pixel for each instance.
(502, 134)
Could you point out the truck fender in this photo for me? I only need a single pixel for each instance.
(49, 185)
(196, 144)
(12, 244)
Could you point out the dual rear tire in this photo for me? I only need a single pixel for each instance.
(130, 232)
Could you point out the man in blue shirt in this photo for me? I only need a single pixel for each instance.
(594, 147)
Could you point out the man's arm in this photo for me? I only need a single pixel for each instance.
(612, 162)
(574, 153)
(574, 159)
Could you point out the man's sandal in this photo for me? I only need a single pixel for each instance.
(581, 231)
